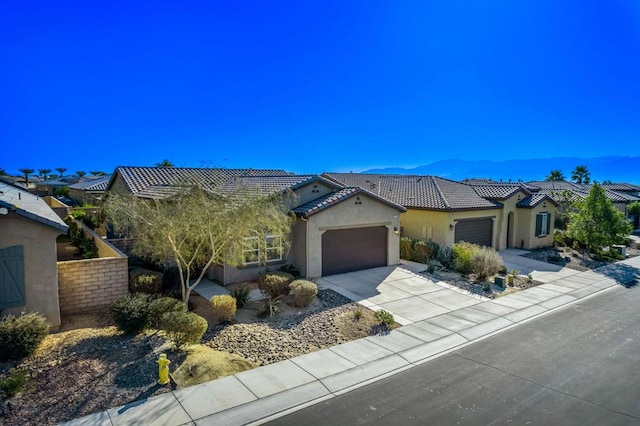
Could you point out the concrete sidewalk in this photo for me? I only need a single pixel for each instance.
(255, 396)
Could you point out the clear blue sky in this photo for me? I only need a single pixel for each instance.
(312, 86)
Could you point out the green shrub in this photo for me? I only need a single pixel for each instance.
(357, 314)
(13, 382)
(145, 281)
(160, 306)
(241, 294)
(406, 248)
(420, 252)
(275, 284)
(131, 312)
(384, 317)
(303, 292)
(485, 263)
(502, 270)
(270, 307)
(224, 306)
(463, 256)
(445, 256)
(183, 328)
(21, 335)
(486, 287)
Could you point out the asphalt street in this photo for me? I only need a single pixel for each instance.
(576, 366)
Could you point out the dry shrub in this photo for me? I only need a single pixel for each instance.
(275, 284)
(224, 306)
(303, 292)
(485, 262)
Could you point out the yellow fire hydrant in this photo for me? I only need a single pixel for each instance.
(163, 369)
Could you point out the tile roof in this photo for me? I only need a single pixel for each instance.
(624, 187)
(92, 184)
(319, 204)
(535, 199)
(498, 190)
(138, 179)
(30, 206)
(419, 192)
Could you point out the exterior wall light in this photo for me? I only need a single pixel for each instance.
(395, 230)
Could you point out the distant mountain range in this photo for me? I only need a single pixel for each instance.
(613, 168)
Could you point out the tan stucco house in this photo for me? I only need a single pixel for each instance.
(28, 272)
(337, 228)
(445, 211)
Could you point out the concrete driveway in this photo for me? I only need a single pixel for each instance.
(540, 271)
(410, 297)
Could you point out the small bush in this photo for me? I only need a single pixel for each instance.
(486, 287)
(21, 335)
(224, 306)
(303, 292)
(406, 248)
(445, 256)
(145, 281)
(424, 251)
(270, 307)
(159, 307)
(13, 383)
(357, 314)
(290, 269)
(275, 284)
(431, 267)
(183, 328)
(385, 318)
(463, 256)
(131, 312)
(502, 270)
(485, 263)
(241, 294)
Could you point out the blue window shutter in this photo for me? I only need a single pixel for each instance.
(11, 277)
(538, 224)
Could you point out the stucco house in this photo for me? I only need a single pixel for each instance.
(28, 272)
(337, 228)
(445, 211)
(89, 190)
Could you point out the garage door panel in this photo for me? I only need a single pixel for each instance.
(476, 231)
(346, 250)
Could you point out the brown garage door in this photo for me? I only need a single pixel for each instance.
(346, 250)
(476, 231)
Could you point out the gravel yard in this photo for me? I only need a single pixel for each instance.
(89, 366)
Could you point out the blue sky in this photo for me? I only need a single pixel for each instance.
(313, 86)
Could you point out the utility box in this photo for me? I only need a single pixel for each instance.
(620, 249)
(499, 281)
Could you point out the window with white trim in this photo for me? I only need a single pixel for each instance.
(543, 224)
(260, 250)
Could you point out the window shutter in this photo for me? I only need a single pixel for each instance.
(538, 224)
(11, 277)
(548, 223)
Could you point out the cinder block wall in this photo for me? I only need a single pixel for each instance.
(93, 284)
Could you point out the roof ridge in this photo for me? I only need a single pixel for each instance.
(444, 200)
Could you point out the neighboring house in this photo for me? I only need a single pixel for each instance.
(487, 213)
(28, 273)
(49, 186)
(337, 228)
(89, 190)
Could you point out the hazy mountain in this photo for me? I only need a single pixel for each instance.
(614, 168)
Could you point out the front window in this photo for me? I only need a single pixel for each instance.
(260, 250)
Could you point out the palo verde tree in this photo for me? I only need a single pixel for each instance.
(197, 228)
(597, 223)
(566, 204)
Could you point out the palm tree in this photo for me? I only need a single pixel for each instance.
(555, 175)
(97, 173)
(80, 173)
(580, 175)
(26, 173)
(61, 170)
(44, 173)
(164, 163)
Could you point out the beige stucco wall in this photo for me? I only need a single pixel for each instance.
(348, 214)
(435, 225)
(526, 238)
(118, 187)
(40, 274)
